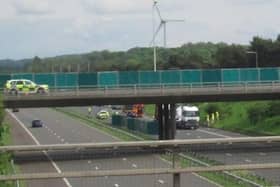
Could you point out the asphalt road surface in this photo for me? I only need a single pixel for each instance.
(58, 128)
(230, 157)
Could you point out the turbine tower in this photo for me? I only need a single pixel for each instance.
(162, 24)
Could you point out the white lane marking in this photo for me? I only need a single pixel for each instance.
(228, 154)
(89, 162)
(96, 168)
(213, 133)
(134, 165)
(38, 143)
(58, 137)
(116, 185)
(54, 134)
(247, 160)
(124, 159)
(262, 154)
(204, 178)
(62, 140)
(161, 181)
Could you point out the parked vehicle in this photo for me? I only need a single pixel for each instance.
(103, 114)
(187, 117)
(136, 110)
(19, 86)
(37, 123)
(15, 110)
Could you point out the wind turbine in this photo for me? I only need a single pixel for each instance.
(162, 24)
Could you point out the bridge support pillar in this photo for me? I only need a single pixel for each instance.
(176, 180)
(166, 119)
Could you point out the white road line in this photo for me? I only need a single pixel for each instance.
(62, 140)
(213, 133)
(116, 185)
(228, 154)
(161, 181)
(247, 160)
(124, 159)
(134, 165)
(96, 168)
(262, 154)
(89, 162)
(204, 178)
(38, 143)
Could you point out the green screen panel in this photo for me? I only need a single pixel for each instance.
(87, 79)
(170, 77)
(249, 75)
(66, 80)
(269, 74)
(209, 76)
(128, 77)
(48, 79)
(3, 80)
(230, 75)
(28, 76)
(191, 76)
(149, 77)
(107, 79)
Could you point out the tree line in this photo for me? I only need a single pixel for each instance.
(188, 56)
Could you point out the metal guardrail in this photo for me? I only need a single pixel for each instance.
(161, 89)
(135, 172)
(140, 144)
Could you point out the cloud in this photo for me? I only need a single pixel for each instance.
(54, 27)
(32, 7)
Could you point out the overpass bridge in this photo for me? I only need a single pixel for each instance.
(163, 88)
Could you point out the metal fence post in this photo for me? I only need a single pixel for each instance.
(176, 180)
(135, 89)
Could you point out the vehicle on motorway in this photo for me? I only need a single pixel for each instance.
(102, 114)
(37, 123)
(135, 111)
(24, 86)
(15, 110)
(187, 117)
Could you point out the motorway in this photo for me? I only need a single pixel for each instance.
(230, 157)
(59, 128)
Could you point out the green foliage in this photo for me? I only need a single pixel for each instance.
(252, 118)
(1, 110)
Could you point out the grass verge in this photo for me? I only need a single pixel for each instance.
(5, 158)
(123, 134)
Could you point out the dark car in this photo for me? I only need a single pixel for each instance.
(37, 123)
(15, 110)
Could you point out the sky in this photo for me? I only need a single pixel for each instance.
(48, 28)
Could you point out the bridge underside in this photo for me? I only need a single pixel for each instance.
(54, 101)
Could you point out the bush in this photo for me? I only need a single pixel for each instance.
(211, 108)
(257, 113)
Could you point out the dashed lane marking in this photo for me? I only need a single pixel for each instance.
(247, 160)
(38, 143)
(213, 133)
(161, 181)
(228, 154)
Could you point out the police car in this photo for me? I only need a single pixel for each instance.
(19, 86)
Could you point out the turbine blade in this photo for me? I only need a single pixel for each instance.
(155, 34)
(158, 11)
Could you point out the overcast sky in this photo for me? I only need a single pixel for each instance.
(56, 27)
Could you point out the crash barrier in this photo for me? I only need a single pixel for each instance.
(142, 78)
(136, 124)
